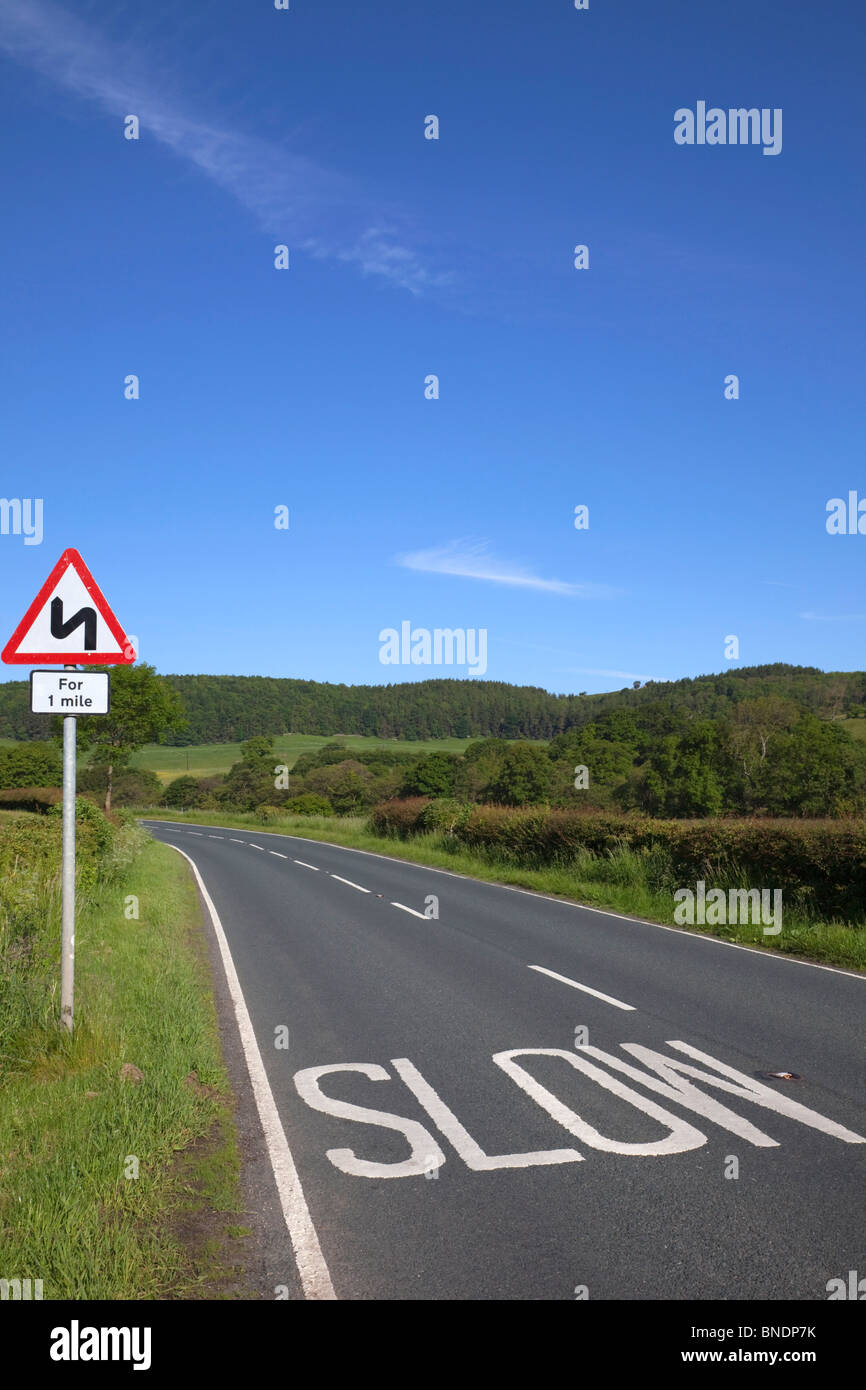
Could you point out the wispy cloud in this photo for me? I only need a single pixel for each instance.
(598, 671)
(833, 617)
(295, 199)
(472, 560)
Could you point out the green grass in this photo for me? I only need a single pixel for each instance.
(70, 1125)
(855, 727)
(209, 759)
(619, 882)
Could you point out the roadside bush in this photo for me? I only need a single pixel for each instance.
(310, 804)
(400, 817)
(444, 813)
(36, 764)
(30, 853)
(30, 799)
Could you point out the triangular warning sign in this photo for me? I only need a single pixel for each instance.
(69, 623)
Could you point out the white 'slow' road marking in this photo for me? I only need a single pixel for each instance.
(404, 908)
(349, 882)
(670, 1077)
(307, 866)
(312, 1269)
(617, 1003)
(277, 853)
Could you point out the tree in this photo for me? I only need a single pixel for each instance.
(251, 782)
(818, 770)
(345, 785)
(684, 774)
(144, 708)
(131, 786)
(753, 729)
(184, 792)
(258, 752)
(432, 775)
(523, 778)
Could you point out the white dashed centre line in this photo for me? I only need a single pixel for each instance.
(216, 837)
(617, 1003)
(252, 846)
(349, 882)
(234, 841)
(404, 908)
(307, 866)
(196, 832)
(277, 853)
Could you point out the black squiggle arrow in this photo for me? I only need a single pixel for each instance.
(84, 615)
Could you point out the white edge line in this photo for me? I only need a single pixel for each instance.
(313, 1271)
(608, 999)
(349, 882)
(404, 908)
(566, 902)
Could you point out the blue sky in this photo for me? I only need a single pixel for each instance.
(305, 387)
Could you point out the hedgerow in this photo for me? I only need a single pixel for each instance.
(821, 865)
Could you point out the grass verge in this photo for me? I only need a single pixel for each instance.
(620, 881)
(113, 1185)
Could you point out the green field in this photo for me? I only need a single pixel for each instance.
(208, 759)
(855, 727)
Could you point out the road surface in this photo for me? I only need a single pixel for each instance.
(473, 1092)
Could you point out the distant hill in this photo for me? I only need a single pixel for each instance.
(225, 709)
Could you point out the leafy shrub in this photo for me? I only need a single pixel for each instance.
(400, 818)
(30, 862)
(310, 804)
(36, 764)
(444, 813)
(30, 798)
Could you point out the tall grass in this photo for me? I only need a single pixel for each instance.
(90, 1199)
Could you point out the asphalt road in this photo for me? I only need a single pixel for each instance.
(539, 1176)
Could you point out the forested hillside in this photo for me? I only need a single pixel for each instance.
(225, 709)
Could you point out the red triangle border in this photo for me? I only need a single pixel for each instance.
(11, 655)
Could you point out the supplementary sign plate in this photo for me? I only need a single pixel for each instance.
(69, 692)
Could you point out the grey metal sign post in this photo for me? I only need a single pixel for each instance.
(67, 927)
(53, 692)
